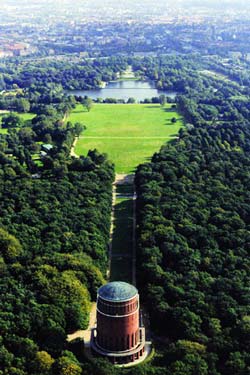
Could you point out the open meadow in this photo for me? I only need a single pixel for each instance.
(128, 133)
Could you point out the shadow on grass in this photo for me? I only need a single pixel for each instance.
(121, 270)
(123, 227)
(169, 123)
(169, 109)
(81, 111)
(125, 189)
(121, 260)
(157, 105)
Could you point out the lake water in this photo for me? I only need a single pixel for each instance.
(124, 90)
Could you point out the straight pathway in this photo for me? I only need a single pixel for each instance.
(122, 240)
(122, 251)
(122, 248)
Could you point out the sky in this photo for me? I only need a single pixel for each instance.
(134, 7)
(199, 3)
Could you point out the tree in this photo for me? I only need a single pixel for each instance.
(64, 289)
(12, 121)
(173, 120)
(67, 365)
(88, 103)
(236, 364)
(22, 105)
(100, 366)
(79, 128)
(162, 100)
(10, 247)
(131, 100)
(43, 362)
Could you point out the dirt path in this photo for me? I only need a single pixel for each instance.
(124, 179)
(72, 151)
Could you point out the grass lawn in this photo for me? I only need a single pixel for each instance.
(128, 133)
(26, 116)
(121, 269)
(123, 226)
(3, 131)
(122, 239)
(122, 243)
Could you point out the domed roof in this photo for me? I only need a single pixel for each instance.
(117, 291)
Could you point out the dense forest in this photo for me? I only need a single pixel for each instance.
(80, 74)
(193, 238)
(54, 237)
(193, 215)
(194, 73)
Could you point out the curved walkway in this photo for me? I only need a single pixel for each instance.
(85, 334)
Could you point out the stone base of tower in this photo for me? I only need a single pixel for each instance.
(120, 357)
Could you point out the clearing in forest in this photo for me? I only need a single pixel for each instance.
(128, 133)
(26, 117)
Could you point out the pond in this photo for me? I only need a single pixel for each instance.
(124, 90)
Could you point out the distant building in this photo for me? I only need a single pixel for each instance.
(247, 56)
(120, 335)
(6, 54)
(83, 54)
(235, 54)
(16, 49)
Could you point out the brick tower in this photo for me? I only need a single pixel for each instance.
(119, 334)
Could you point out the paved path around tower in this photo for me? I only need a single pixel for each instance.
(85, 334)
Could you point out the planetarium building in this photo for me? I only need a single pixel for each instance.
(119, 334)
